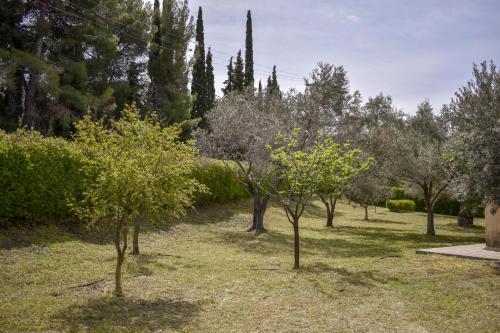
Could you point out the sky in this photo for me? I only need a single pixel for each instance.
(410, 50)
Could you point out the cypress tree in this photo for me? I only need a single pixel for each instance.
(239, 75)
(199, 82)
(228, 84)
(210, 81)
(154, 68)
(249, 73)
(272, 83)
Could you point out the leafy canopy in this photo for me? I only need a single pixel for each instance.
(139, 168)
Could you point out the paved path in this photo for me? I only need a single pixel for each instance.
(474, 251)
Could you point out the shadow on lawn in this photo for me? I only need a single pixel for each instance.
(273, 242)
(413, 239)
(379, 221)
(366, 278)
(111, 314)
(25, 236)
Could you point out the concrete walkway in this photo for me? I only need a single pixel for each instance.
(474, 251)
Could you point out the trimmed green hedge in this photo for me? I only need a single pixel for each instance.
(222, 181)
(401, 205)
(39, 178)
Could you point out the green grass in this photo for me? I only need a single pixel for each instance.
(357, 277)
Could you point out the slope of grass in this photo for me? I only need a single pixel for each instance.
(206, 274)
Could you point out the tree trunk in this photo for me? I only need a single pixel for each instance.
(120, 250)
(330, 204)
(430, 223)
(259, 210)
(465, 217)
(366, 213)
(296, 243)
(135, 239)
(31, 116)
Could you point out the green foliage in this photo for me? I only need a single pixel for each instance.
(141, 169)
(445, 205)
(222, 181)
(39, 178)
(249, 72)
(401, 205)
(341, 164)
(239, 74)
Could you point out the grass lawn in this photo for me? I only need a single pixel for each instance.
(357, 277)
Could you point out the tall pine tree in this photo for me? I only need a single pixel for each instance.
(239, 75)
(228, 84)
(249, 72)
(199, 82)
(167, 66)
(210, 81)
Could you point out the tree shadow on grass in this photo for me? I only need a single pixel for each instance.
(365, 278)
(274, 243)
(413, 239)
(26, 236)
(116, 314)
(378, 221)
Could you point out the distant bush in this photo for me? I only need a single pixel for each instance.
(39, 178)
(444, 205)
(401, 205)
(222, 181)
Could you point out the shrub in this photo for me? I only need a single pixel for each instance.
(39, 178)
(221, 179)
(401, 205)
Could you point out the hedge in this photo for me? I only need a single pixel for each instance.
(222, 181)
(401, 205)
(444, 205)
(40, 178)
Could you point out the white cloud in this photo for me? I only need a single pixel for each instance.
(353, 18)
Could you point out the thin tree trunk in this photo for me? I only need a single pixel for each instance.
(120, 250)
(366, 213)
(135, 239)
(330, 204)
(430, 222)
(296, 243)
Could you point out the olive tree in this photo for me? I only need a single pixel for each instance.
(422, 158)
(474, 128)
(139, 169)
(367, 189)
(241, 126)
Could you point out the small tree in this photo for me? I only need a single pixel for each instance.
(298, 174)
(334, 177)
(366, 190)
(139, 169)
